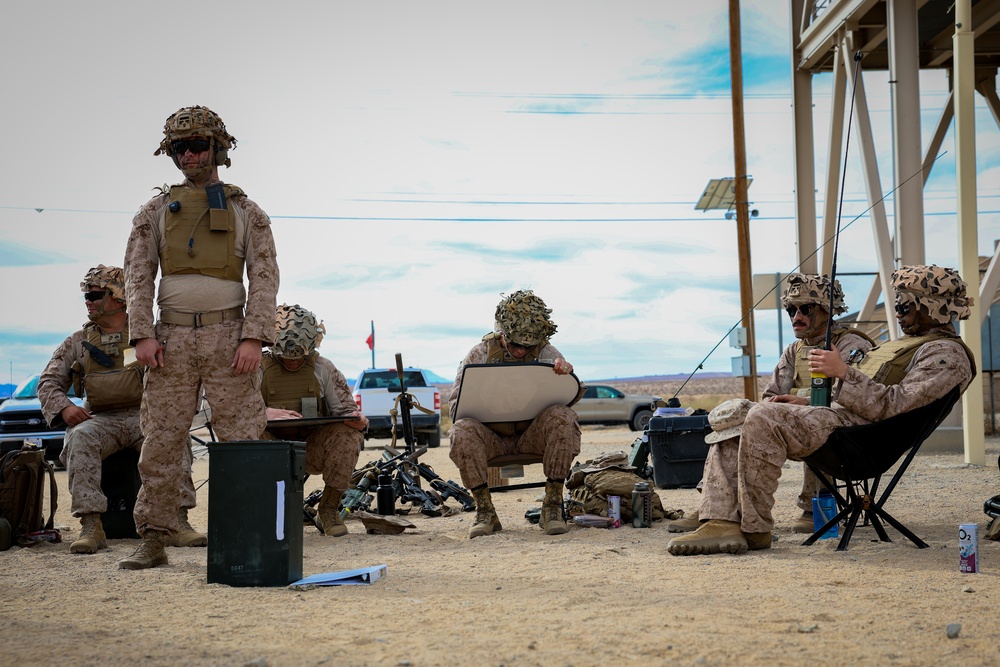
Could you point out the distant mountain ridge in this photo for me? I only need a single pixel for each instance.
(706, 375)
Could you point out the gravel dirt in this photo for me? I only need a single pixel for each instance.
(590, 597)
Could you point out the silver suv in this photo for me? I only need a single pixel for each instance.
(606, 405)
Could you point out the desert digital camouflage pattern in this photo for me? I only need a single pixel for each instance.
(805, 288)
(940, 290)
(554, 433)
(332, 450)
(523, 318)
(87, 444)
(195, 122)
(774, 432)
(142, 262)
(297, 332)
(109, 278)
(195, 357)
(789, 377)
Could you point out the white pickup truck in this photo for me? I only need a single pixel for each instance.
(376, 391)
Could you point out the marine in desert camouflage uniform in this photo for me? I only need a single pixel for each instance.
(924, 365)
(295, 382)
(806, 299)
(201, 235)
(521, 334)
(98, 361)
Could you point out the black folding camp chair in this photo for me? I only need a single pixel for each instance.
(858, 456)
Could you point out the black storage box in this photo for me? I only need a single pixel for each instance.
(255, 512)
(120, 484)
(677, 445)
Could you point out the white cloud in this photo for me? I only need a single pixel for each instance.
(440, 153)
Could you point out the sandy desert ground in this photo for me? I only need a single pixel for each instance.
(590, 597)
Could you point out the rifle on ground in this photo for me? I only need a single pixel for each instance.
(444, 489)
(408, 491)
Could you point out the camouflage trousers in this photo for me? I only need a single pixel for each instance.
(554, 433)
(810, 487)
(89, 443)
(332, 451)
(740, 481)
(194, 357)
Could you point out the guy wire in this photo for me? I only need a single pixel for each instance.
(701, 365)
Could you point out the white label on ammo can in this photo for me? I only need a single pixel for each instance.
(279, 523)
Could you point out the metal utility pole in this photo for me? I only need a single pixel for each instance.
(742, 205)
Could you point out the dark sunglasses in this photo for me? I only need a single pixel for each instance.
(806, 309)
(93, 296)
(182, 146)
(523, 346)
(903, 308)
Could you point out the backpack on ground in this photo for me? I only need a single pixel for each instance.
(22, 489)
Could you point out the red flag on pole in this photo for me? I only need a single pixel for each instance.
(371, 341)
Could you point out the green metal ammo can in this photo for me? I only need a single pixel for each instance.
(255, 512)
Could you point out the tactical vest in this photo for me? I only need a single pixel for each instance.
(285, 389)
(887, 363)
(201, 238)
(495, 354)
(115, 387)
(802, 381)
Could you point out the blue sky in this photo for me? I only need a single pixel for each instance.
(419, 159)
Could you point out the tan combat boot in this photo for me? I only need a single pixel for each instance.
(186, 535)
(487, 522)
(92, 536)
(328, 512)
(804, 524)
(713, 537)
(551, 520)
(684, 524)
(148, 554)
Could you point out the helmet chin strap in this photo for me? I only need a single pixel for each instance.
(102, 311)
(198, 172)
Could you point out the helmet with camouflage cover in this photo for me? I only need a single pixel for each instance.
(197, 122)
(523, 318)
(111, 279)
(810, 288)
(297, 332)
(941, 291)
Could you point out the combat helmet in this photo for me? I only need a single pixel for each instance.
(523, 318)
(941, 291)
(807, 288)
(297, 332)
(111, 279)
(192, 122)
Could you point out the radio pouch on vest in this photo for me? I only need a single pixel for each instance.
(310, 407)
(218, 218)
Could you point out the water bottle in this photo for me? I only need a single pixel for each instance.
(385, 496)
(642, 506)
(824, 509)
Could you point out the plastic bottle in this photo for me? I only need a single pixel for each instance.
(824, 509)
(385, 496)
(642, 506)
